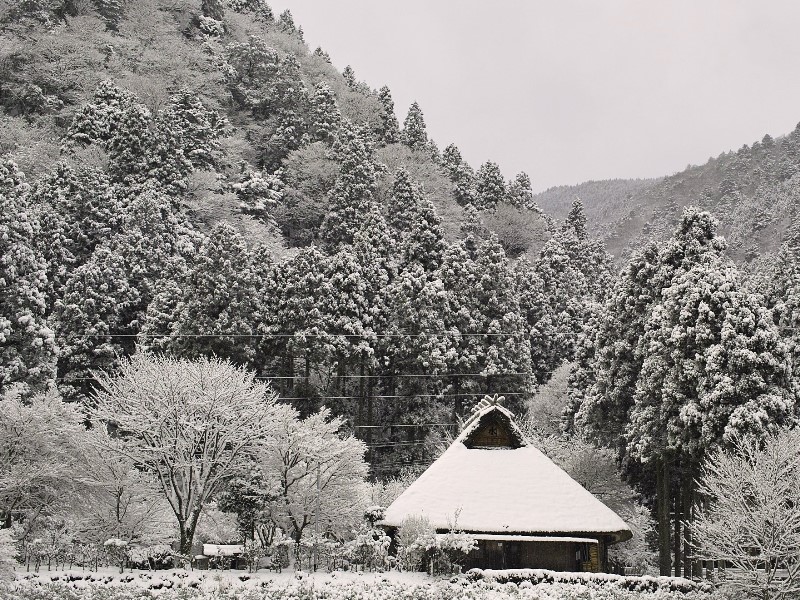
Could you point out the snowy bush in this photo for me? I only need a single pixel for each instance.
(173, 587)
(370, 549)
(598, 580)
(415, 537)
(117, 551)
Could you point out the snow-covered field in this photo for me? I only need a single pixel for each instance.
(216, 585)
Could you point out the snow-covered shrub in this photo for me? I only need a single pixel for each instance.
(117, 551)
(636, 552)
(454, 547)
(369, 548)
(415, 538)
(302, 587)
(645, 583)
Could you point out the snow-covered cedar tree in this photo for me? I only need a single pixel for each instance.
(402, 204)
(353, 194)
(187, 422)
(258, 194)
(576, 220)
(325, 115)
(541, 321)
(388, 130)
(490, 187)
(519, 192)
(97, 299)
(424, 244)
(78, 209)
(750, 517)
(212, 304)
(27, 344)
(41, 441)
(461, 174)
(98, 120)
(414, 134)
(311, 464)
(8, 555)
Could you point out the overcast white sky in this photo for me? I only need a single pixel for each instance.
(571, 90)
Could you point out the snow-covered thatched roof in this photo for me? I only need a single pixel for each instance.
(503, 489)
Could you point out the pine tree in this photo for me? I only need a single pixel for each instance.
(402, 203)
(388, 129)
(79, 210)
(490, 187)
(322, 54)
(520, 193)
(27, 344)
(576, 220)
(461, 174)
(213, 313)
(286, 22)
(325, 116)
(352, 195)
(97, 298)
(99, 119)
(350, 77)
(414, 134)
(424, 244)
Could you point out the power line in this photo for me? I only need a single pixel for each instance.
(398, 375)
(302, 334)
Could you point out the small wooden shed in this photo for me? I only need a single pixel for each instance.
(523, 509)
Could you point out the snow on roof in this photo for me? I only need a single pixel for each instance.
(503, 491)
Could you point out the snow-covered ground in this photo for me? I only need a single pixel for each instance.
(109, 584)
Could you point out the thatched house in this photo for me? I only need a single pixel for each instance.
(525, 511)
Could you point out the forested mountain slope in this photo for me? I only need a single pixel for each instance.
(752, 191)
(188, 177)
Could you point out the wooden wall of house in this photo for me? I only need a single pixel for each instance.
(556, 556)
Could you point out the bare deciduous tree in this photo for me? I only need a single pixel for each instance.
(752, 517)
(189, 422)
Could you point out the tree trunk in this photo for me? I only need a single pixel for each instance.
(662, 508)
(677, 541)
(697, 565)
(687, 534)
(370, 422)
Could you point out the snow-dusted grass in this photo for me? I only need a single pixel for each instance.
(216, 585)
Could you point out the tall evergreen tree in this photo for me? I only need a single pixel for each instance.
(325, 115)
(402, 203)
(414, 134)
(352, 196)
(27, 344)
(91, 321)
(213, 313)
(388, 130)
(490, 187)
